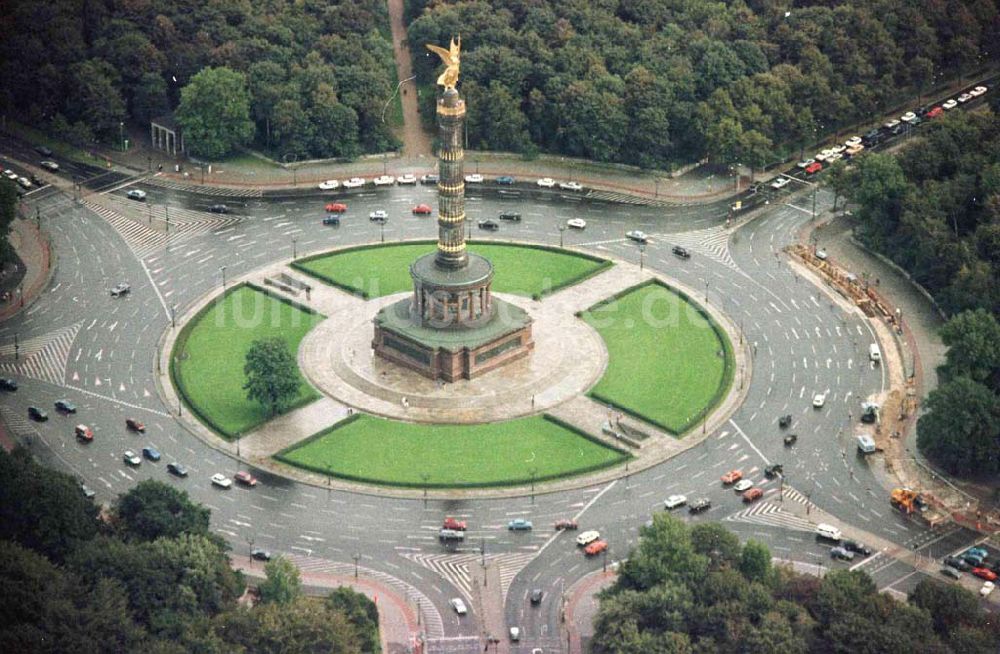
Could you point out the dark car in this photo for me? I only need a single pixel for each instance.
(151, 453)
(681, 252)
(785, 421)
(699, 505)
(260, 555)
(218, 208)
(790, 439)
(489, 225)
(37, 414)
(872, 137)
(773, 470)
(332, 219)
(132, 424)
(856, 547)
(8, 384)
(506, 180)
(65, 406)
(510, 215)
(87, 491)
(957, 563)
(951, 572)
(44, 151)
(973, 560)
(841, 553)
(536, 596)
(177, 469)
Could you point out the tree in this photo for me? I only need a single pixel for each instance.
(950, 606)
(973, 340)
(98, 102)
(755, 561)
(214, 112)
(8, 212)
(272, 374)
(282, 585)
(152, 509)
(150, 97)
(720, 545)
(299, 625)
(359, 611)
(961, 428)
(665, 553)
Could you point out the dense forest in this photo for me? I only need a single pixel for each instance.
(696, 590)
(147, 577)
(317, 72)
(935, 210)
(650, 82)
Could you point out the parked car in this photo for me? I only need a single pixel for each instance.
(546, 182)
(452, 523)
(65, 406)
(732, 477)
(806, 163)
(458, 605)
(8, 384)
(854, 150)
(908, 117)
(974, 560)
(177, 469)
(571, 186)
(851, 142)
(428, 179)
(505, 180)
(891, 124)
(965, 97)
(753, 495)
(245, 478)
(24, 182)
(87, 491)
(49, 165)
(841, 553)
(354, 182)
(814, 168)
(121, 289)
(985, 573)
(519, 524)
(151, 453)
(987, 588)
(131, 458)
(950, 104)
(475, 178)
(675, 501)
(136, 194)
(378, 216)
(981, 552)
(742, 485)
(83, 433)
(134, 425)
(489, 225)
(336, 207)
(957, 563)
(681, 252)
(576, 223)
(258, 554)
(699, 505)
(951, 572)
(779, 183)
(510, 215)
(935, 112)
(384, 180)
(329, 185)
(596, 548)
(222, 481)
(218, 208)
(44, 151)
(566, 524)
(422, 209)
(407, 179)
(37, 414)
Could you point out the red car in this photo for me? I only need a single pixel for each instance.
(423, 209)
(134, 425)
(336, 207)
(595, 548)
(752, 495)
(814, 168)
(84, 433)
(566, 523)
(245, 478)
(452, 523)
(732, 477)
(934, 113)
(985, 573)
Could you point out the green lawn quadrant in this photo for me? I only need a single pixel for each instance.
(209, 356)
(667, 362)
(390, 452)
(374, 271)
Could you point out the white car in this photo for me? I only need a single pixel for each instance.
(965, 97)
(978, 91)
(778, 183)
(354, 182)
(587, 537)
(950, 104)
(834, 156)
(136, 194)
(222, 481)
(378, 214)
(329, 185)
(742, 485)
(837, 149)
(821, 254)
(10, 174)
(515, 634)
(474, 179)
(571, 186)
(820, 156)
(53, 166)
(853, 141)
(131, 458)
(908, 117)
(458, 605)
(384, 180)
(891, 124)
(987, 588)
(675, 501)
(24, 182)
(546, 182)
(805, 164)
(407, 179)
(819, 399)
(576, 223)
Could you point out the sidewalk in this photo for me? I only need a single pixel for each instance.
(33, 248)
(398, 622)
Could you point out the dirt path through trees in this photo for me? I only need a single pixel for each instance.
(416, 142)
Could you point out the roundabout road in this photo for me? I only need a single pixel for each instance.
(79, 343)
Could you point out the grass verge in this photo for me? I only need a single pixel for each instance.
(207, 361)
(668, 363)
(393, 453)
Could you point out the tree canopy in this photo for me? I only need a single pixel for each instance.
(272, 373)
(214, 113)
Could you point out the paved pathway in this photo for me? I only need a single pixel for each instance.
(33, 249)
(416, 142)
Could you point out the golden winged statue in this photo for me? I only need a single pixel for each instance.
(450, 57)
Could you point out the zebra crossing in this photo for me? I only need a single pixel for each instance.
(456, 567)
(144, 240)
(17, 423)
(771, 515)
(429, 615)
(43, 357)
(712, 242)
(623, 198)
(201, 189)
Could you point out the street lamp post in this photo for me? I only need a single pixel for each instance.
(121, 134)
(222, 269)
(425, 477)
(294, 251)
(17, 348)
(532, 473)
(562, 228)
(173, 315)
(381, 231)
(656, 181)
(642, 251)
(356, 558)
